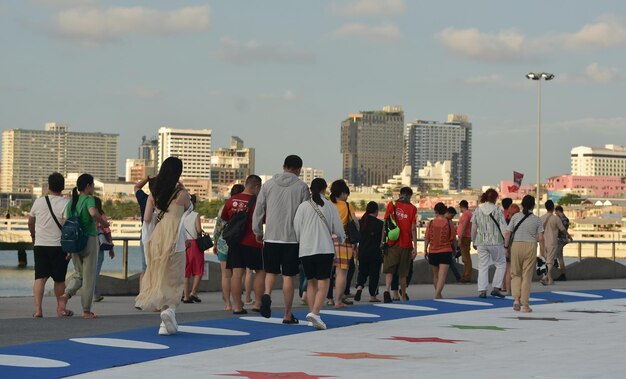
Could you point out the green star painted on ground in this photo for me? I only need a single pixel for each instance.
(478, 327)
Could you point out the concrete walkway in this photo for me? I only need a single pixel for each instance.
(118, 313)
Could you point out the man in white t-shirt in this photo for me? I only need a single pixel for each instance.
(44, 222)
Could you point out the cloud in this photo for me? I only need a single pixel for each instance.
(484, 79)
(66, 3)
(608, 126)
(606, 32)
(504, 46)
(383, 33)
(602, 75)
(286, 96)
(146, 94)
(94, 25)
(370, 8)
(235, 52)
(511, 45)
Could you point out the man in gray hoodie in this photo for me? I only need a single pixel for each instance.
(276, 205)
(488, 226)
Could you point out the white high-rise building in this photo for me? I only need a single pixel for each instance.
(307, 174)
(436, 141)
(609, 160)
(30, 156)
(192, 146)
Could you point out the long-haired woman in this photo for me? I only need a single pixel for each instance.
(83, 205)
(370, 256)
(164, 279)
(315, 222)
(526, 230)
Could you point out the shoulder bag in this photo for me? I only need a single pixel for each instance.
(321, 215)
(203, 241)
(54, 217)
(515, 230)
(353, 230)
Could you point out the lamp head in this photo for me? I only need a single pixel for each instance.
(547, 76)
(533, 76)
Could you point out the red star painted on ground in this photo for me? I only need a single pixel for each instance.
(267, 375)
(356, 355)
(423, 339)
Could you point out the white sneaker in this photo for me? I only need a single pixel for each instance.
(162, 330)
(169, 320)
(316, 321)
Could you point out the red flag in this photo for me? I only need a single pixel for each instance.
(517, 180)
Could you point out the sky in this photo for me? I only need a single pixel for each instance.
(282, 75)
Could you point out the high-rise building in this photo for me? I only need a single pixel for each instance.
(436, 141)
(307, 174)
(149, 153)
(192, 146)
(372, 146)
(135, 170)
(30, 156)
(232, 164)
(597, 161)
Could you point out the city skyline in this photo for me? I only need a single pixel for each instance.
(290, 75)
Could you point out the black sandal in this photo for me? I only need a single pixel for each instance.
(241, 312)
(291, 321)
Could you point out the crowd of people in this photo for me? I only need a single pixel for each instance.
(284, 228)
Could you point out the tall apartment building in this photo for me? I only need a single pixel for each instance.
(232, 164)
(436, 141)
(597, 161)
(149, 153)
(307, 174)
(372, 146)
(30, 156)
(192, 146)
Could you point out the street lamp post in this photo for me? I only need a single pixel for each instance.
(538, 76)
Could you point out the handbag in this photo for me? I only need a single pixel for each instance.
(354, 235)
(204, 242)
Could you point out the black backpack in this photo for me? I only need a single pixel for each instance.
(235, 229)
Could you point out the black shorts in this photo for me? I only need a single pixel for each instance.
(318, 266)
(50, 262)
(436, 259)
(281, 258)
(242, 256)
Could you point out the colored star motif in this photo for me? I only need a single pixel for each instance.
(474, 327)
(423, 339)
(356, 355)
(268, 375)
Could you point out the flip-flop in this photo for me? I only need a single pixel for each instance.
(291, 321)
(241, 312)
(65, 313)
(35, 315)
(89, 315)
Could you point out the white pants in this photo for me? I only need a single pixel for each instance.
(487, 256)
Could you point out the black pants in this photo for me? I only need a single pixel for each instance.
(395, 282)
(351, 270)
(369, 267)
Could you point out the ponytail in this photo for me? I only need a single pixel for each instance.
(318, 185)
(75, 197)
(337, 188)
(528, 203)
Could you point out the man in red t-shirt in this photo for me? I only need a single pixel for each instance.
(248, 252)
(399, 254)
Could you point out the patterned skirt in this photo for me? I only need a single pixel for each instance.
(344, 252)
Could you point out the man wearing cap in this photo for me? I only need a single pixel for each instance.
(464, 231)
